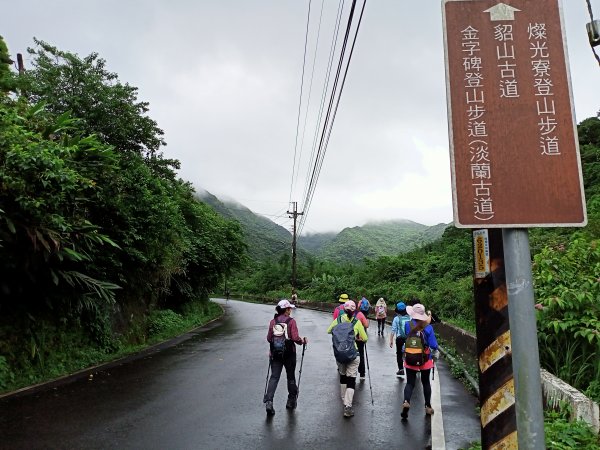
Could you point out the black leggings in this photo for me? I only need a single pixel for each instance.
(399, 344)
(411, 378)
(381, 324)
(277, 365)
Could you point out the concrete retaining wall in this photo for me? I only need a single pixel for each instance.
(556, 390)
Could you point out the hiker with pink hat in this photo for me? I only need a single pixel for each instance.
(419, 351)
(346, 330)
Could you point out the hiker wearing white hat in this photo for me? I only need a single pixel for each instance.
(419, 349)
(282, 335)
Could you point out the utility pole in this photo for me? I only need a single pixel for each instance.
(294, 215)
(20, 64)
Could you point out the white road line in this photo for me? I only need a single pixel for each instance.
(438, 441)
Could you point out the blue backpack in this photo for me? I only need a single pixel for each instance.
(364, 305)
(402, 325)
(344, 348)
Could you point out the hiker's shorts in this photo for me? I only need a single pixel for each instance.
(350, 369)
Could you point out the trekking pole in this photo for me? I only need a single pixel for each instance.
(300, 373)
(369, 372)
(267, 381)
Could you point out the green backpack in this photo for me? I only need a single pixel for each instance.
(414, 349)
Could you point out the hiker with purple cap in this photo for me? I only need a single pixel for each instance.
(282, 335)
(420, 349)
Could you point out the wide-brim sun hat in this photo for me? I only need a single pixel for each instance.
(350, 306)
(343, 298)
(285, 304)
(417, 312)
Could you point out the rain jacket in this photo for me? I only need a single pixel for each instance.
(380, 313)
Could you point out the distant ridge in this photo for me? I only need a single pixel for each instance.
(268, 240)
(382, 238)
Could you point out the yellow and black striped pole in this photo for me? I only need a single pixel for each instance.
(496, 383)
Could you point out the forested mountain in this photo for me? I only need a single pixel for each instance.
(372, 240)
(315, 242)
(265, 239)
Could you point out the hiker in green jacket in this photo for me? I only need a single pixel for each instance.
(347, 361)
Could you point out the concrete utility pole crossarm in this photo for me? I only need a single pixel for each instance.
(294, 215)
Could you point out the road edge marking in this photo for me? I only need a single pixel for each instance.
(438, 441)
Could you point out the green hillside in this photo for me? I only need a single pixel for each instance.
(315, 242)
(265, 239)
(378, 239)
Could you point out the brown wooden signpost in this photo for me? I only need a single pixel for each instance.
(515, 156)
(515, 164)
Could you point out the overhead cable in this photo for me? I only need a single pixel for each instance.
(328, 125)
(325, 88)
(307, 207)
(295, 181)
(321, 150)
(300, 101)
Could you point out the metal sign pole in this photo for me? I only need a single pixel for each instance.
(525, 356)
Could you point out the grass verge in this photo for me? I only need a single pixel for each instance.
(61, 351)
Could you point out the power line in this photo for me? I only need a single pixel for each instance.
(295, 182)
(300, 101)
(321, 150)
(334, 39)
(328, 126)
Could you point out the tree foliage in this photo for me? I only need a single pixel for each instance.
(95, 226)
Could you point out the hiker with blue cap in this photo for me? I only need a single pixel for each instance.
(399, 335)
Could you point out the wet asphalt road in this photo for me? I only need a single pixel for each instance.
(206, 393)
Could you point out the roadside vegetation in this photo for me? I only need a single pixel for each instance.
(102, 247)
(563, 434)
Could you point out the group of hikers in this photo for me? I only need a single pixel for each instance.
(416, 348)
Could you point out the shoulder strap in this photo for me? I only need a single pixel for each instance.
(339, 319)
(354, 320)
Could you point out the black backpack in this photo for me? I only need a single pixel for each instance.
(280, 338)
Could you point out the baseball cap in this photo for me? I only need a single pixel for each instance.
(285, 304)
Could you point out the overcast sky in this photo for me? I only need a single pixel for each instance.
(223, 81)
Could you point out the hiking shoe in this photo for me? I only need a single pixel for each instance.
(291, 403)
(400, 373)
(362, 377)
(405, 408)
(348, 411)
(428, 410)
(269, 408)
